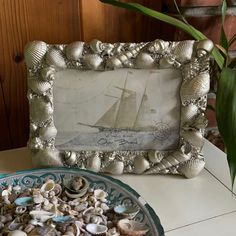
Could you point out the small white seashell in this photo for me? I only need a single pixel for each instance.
(70, 158)
(127, 211)
(96, 229)
(144, 61)
(39, 87)
(155, 156)
(48, 186)
(195, 88)
(94, 163)
(17, 233)
(34, 53)
(140, 164)
(132, 228)
(115, 167)
(41, 216)
(93, 61)
(55, 58)
(183, 50)
(38, 198)
(20, 209)
(204, 47)
(192, 168)
(74, 50)
(48, 132)
(101, 195)
(195, 138)
(96, 46)
(188, 112)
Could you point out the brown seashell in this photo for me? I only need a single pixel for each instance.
(195, 138)
(183, 50)
(55, 58)
(74, 50)
(192, 168)
(140, 165)
(34, 53)
(39, 87)
(144, 61)
(195, 88)
(93, 61)
(48, 132)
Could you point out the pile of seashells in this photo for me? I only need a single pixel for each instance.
(71, 208)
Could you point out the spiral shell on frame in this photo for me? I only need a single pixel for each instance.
(192, 168)
(74, 50)
(38, 86)
(184, 50)
(115, 167)
(34, 53)
(144, 61)
(155, 156)
(96, 45)
(48, 132)
(70, 158)
(48, 73)
(55, 58)
(195, 88)
(93, 61)
(140, 164)
(194, 137)
(172, 159)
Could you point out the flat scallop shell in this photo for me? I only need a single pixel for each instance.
(183, 50)
(48, 132)
(140, 164)
(144, 61)
(195, 88)
(96, 229)
(39, 87)
(55, 58)
(132, 228)
(192, 168)
(74, 50)
(34, 53)
(93, 61)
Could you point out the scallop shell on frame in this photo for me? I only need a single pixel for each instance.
(55, 58)
(144, 61)
(155, 156)
(115, 167)
(74, 50)
(40, 111)
(34, 53)
(195, 88)
(94, 163)
(183, 50)
(39, 87)
(192, 168)
(195, 138)
(93, 61)
(48, 132)
(188, 112)
(140, 165)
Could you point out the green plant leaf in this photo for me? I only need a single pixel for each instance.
(232, 64)
(223, 38)
(226, 115)
(196, 34)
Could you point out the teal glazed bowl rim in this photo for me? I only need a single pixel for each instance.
(121, 185)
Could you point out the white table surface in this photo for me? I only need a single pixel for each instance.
(186, 207)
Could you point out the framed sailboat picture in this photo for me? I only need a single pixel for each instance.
(119, 108)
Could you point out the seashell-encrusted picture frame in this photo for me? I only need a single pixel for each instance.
(119, 108)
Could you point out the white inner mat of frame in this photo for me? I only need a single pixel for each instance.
(125, 109)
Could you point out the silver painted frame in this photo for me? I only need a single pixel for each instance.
(191, 57)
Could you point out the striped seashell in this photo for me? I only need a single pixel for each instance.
(166, 62)
(173, 159)
(157, 46)
(188, 112)
(144, 61)
(195, 138)
(204, 47)
(34, 53)
(48, 73)
(123, 58)
(47, 133)
(155, 156)
(183, 50)
(93, 61)
(39, 87)
(55, 58)
(74, 50)
(94, 163)
(115, 168)
(195, 88)
(40, 111)
(96, 45)
(140, 165)
(192, 168)
(47, 158)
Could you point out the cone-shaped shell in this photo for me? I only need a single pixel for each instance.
(144, 61)
(188, 112)
(94, 163)
(195, 88)
(74, 50)
(115, 168)
(93, 61)
(40, 111)
(48, 132)
(183, 50)
(192, 168)
(140, 165)
(194, 137)
(34, 53)
(39, 87)
(55, 58)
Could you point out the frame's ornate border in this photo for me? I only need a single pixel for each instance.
(191, 57)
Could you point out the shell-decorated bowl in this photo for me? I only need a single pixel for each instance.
(119, 193)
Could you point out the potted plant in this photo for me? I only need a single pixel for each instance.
(226, 76)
